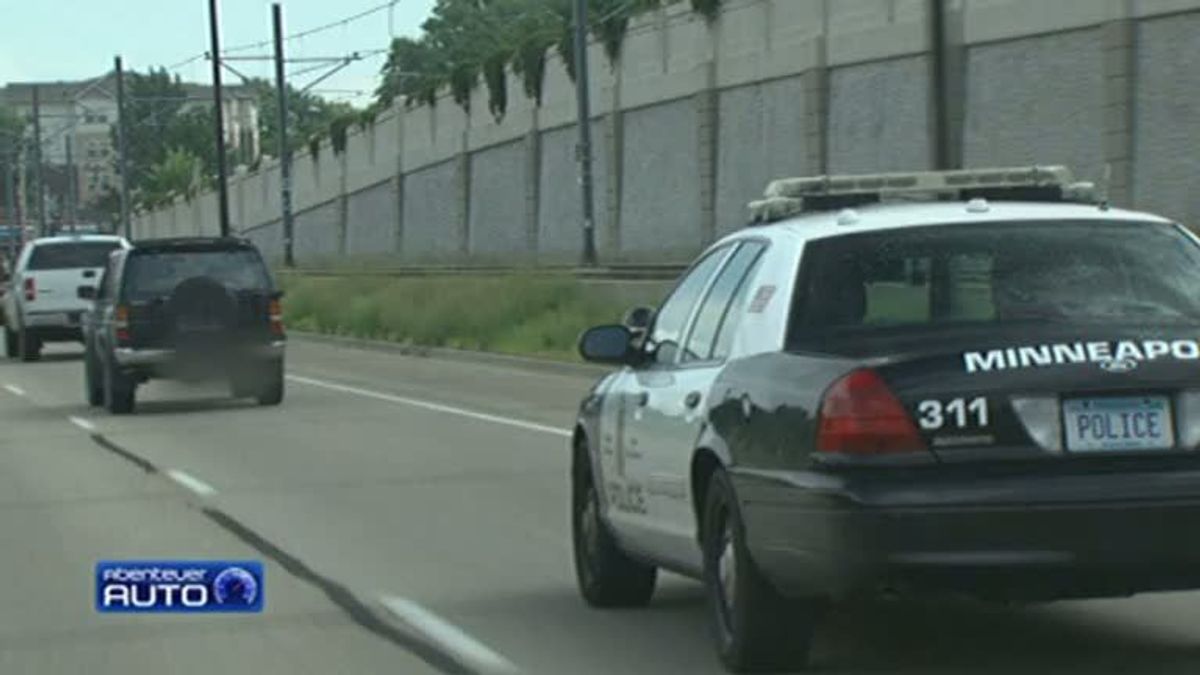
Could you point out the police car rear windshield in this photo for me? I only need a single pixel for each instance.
(996, 276)
(155, 275)
(71, 255)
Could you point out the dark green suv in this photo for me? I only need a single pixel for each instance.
(191, 309)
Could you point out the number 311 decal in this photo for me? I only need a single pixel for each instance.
(935, 414)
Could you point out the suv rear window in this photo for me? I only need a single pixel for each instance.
(998, 275)
(154, 275)
(71, 255)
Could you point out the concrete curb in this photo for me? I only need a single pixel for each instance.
(461, 355)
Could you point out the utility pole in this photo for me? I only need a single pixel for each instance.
(584, 151)
(285, 153)
(38, 190)
(222, 187)
(122, 164)
(68, 212)
(10, 207)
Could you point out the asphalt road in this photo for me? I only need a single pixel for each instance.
(412, 515)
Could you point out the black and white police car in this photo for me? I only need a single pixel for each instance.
(982, 382)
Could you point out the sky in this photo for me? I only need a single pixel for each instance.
(46, 40)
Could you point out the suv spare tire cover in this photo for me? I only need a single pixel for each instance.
(202, 305)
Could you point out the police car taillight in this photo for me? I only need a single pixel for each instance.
(861, 416)
(30, 289)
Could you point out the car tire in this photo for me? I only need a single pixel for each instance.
(270, 388)
(119, 391)
(606, 575)
(11, 346)
(93, 381)
(29, 346)
(755, 628)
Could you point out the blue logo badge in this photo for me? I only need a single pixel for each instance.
(179, 586)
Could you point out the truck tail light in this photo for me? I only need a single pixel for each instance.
(275, 317)
(861, 416)
(121, 324)
(30, 289)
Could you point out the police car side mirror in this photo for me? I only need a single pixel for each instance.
(86, 292)
(607, 344)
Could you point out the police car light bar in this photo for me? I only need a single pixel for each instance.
(791, 196)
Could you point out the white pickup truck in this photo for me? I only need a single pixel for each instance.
(42, 303)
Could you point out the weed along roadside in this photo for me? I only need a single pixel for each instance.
(507, 313)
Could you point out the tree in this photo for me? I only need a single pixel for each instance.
(179, 173)
(464, 39)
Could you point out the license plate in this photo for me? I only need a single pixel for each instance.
(1124, 423)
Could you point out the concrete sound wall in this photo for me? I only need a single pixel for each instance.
(696, 117)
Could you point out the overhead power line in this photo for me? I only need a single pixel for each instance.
(313, 31)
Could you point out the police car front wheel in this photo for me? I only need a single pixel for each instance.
(607, 577)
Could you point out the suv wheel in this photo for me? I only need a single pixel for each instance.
(606, 576)
(119, 391)
(270, 388)
(93, 381)
(756, 629)
(29, 346)
(10, 343)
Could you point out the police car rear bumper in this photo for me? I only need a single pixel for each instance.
(1006, 538)
(128, 357)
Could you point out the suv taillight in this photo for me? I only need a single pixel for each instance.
(30, 289)
(861, 416)
(121, 324)
(275, 316)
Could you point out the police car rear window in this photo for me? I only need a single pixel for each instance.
(152, 275)
(996, 275)
(70, 255)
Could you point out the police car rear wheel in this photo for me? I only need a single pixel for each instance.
(10, 343)
(755, 628)
(606, 576)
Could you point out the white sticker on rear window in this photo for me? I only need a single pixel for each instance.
(1120, 356)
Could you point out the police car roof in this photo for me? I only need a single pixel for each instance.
(889, 216)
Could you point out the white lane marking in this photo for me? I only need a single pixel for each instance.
(14, 389)
(428, 405)
(82, 423)
(192, 483)
(449, 638)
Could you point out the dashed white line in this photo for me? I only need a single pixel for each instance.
(14, 389)
(191, 482)
(429, 405)
(82, 423)
(478, 657)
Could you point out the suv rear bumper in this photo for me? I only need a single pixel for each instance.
(1013, 537)
(132, 358)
